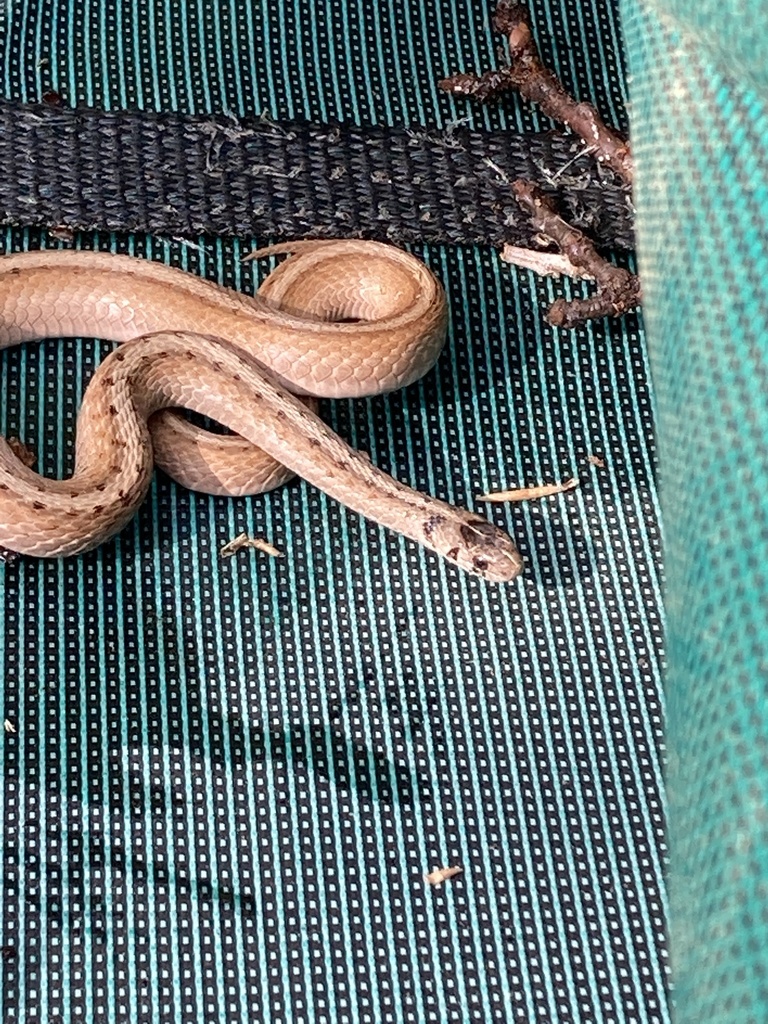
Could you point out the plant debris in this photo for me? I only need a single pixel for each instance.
(7, 952)
(9, 726)
(546, 264)
(529, 493)
(62, 233)
(595, 460)
(527, 74)
(243, 541)
(440, 875)
(618, 290)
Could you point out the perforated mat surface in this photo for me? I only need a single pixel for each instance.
(225, 779)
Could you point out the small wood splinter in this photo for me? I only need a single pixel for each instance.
(243, 541)
(546, 264)
(528, 493)
(440, 875)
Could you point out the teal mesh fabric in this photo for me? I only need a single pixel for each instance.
(223, 780)
(701, 138)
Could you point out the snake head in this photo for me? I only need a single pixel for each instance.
(475, 545)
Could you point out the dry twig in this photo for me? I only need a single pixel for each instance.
(618, 290)
(527, 74)
(528, 493)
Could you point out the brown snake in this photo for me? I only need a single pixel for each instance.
(239, 360)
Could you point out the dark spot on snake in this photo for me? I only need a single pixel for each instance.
(314, 442)
(97, 509)
(452, 554)
(14, 271)
(342, 463)
(280, 414)
(189, 355)
(119, 356)
(480, 563)
(100, 487)
(4, 487)
(432, 523)
(483, 527)
(477, 530)
(217, 365)
(108, 382)
(112, 411)
(38, 505)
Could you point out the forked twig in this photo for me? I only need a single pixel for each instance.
(527, 74)
(618, 290)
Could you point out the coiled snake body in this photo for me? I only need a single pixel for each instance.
(336, 319)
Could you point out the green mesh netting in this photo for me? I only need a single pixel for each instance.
(227, 777)
(556, 819)
(700, 130)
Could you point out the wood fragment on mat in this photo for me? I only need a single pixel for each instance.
(618, 290)
(529, 493)
(440, 875)
(595, 460)
(62, 233)
(244, 541)
(547, 264)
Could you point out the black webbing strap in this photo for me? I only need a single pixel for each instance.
(173, 174)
